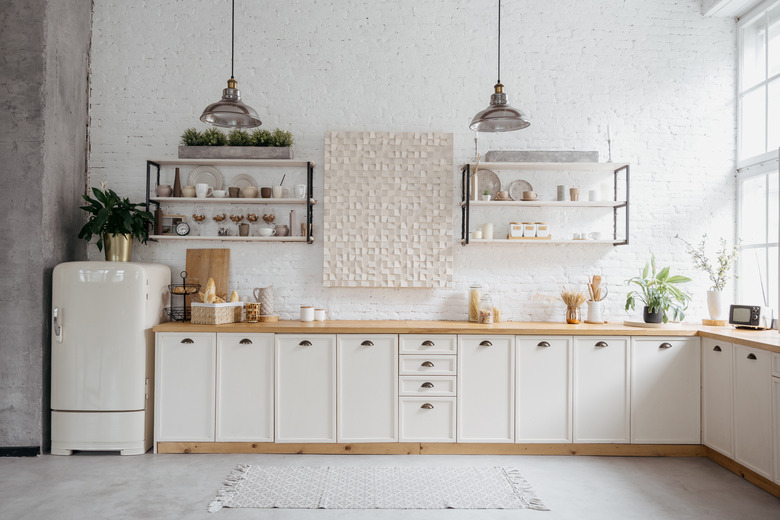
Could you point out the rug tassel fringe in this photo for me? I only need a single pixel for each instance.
(523, 489)
(228, 487)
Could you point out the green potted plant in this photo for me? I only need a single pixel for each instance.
(719, 273)
(237, 144)
(115, 221)
(659, 294)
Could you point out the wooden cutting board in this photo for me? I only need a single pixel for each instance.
(203, 264)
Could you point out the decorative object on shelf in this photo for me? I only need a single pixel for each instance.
(548, 156)
(574, 194)
(503, 196)
(188, 191)
(516, 189)
(487, 180)
(164, 190)
(266, 192)
(219, 194)
(115, 221)
(219, 217)
(562, 190)
(238, 144)
(530, 195)
(182, 229)
(293, 221)
(208, 175)
(300, 191)
(182, 289)
(198, 218)
(243, 229)
(230, 111)
(242, 180)
(203, 190)
(659, 294)
(573, 300)
(249, 192)
(487, 231)
(236, 219)
(499, 116)
(266, 231)
(475, 298)
(268, 218)
(282, 230)
(176, 184)
(719, 274)
(234, 191)
(486, 195)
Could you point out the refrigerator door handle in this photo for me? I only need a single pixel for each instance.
(57, 325)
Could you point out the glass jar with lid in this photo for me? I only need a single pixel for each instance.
(486, 309)
(475, 297)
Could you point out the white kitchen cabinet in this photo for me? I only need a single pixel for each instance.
(776, 408)
(717, 396)
(601, 390)
(433, 365)
(367, 388)
(184, 399)
(428, 344)
(305, 388)
(665, 390)
(245, 387)
(486, 389)
(753, 409)
(543, 389)
(427, 419)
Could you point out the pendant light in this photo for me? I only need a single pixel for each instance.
(499, 116)
(230, 111)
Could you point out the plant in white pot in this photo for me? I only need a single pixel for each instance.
(719, 273)
(659, 294)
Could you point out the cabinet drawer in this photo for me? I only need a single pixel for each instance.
(432, 365)
(428, 344)
(424, 385)
(427, 419)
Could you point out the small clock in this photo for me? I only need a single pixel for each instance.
(182, 229)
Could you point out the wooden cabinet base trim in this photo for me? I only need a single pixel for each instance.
(737, 468)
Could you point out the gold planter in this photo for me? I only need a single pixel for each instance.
(118, 247)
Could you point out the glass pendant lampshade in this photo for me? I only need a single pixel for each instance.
(499, 116)
(230, 111)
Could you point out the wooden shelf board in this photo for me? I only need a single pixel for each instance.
(546, 203)
(230, 238)
(228, 200)
(562, 166)
(229, 162)
(540, 241)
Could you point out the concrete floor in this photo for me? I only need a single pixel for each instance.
(92, 486)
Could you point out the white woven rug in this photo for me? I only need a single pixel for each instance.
(329, 487)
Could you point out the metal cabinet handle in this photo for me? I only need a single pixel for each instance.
(486, 343)
(428, 343)
(717, 348)
(602, 344)
(57, 327)
(187, 341)
(305, 343)
(367, 343)
(543, 344)
(751, 356)
(427, 406)
(427, 364)
(245, 341)
(665, 345)
(426, 385)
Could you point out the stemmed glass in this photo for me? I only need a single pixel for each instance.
(252, 218)
(199, 216)
(219, 218)
(236, 219)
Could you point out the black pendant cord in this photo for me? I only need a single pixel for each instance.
(233, 36)
(499, 41)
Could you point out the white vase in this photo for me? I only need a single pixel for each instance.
(716, 304)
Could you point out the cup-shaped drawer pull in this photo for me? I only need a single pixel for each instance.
(486, 343)
(428, 343)
(665, 345)
(245, 341)
(751, 356)
(427, 384)
(717, 348)
(543, 344)
(427, 406)
(602, 344)
(305, 343)
(367, 343)
(427, 364)
(187, 341)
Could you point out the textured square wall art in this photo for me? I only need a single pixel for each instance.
(388, 206)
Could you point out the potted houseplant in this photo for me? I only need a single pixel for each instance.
(115, 221)
(237, 144)
(719, 273)
(658, 292)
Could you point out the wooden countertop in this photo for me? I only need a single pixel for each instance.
(765, 339)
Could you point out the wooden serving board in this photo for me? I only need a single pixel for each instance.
(203, 264)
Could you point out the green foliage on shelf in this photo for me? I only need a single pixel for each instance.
(261, 137)
(215, 137)
(239, 137)
(191, 137)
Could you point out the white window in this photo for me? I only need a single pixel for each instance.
(758, 140)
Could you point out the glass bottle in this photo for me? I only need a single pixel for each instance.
(573, 315)
(486, 309)
(475, 296)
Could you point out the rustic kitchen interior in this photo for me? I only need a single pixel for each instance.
(379, 272)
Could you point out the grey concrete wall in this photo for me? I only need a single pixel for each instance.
(43, 120)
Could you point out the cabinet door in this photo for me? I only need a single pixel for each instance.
(184, 387)
(753, 409)
(665, 390)
(305, 388)
(601, 389)
(367, 388)
(717, 396)
(776, 407)
(245, 387)
(427, 419)
(486, 389)
(543, 411)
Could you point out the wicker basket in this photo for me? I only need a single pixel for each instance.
(216, 313)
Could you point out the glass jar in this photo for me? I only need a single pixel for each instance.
(475, 296)
(486, 309)
(573, 315)
(496, 308)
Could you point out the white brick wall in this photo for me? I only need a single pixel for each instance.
(658, 73)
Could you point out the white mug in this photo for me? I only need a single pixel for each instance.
(218, 194)
(266, 231)
(593, 195)
(278, 192)
(300, 191)
(596, 235)
(203, 190)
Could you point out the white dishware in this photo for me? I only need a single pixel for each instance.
(576, 236)
(203, 190)
(219, 194)
(188, 191)
(517, 188)
(593, 195)
(476, 234)
(488, 180)
(208, 175)
(595, 235)
(249, 192)
(242, 180)
(307, 313)
(300, 191)
(563, 192)
(319, 314)
(487, 231)
(266, 231)
(278, 192)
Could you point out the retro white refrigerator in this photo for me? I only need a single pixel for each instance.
(102, 354)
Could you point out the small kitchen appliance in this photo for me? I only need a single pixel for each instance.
(756, 317)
